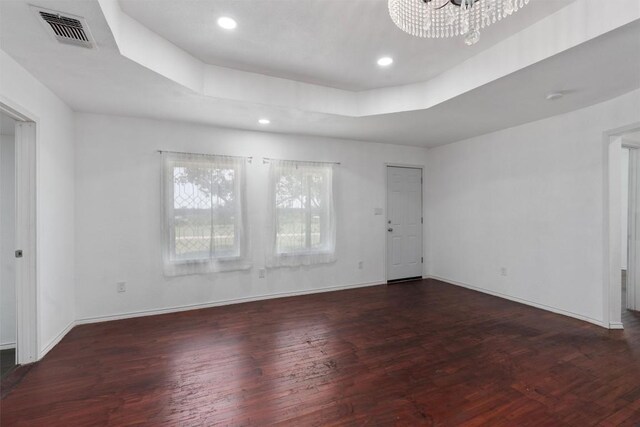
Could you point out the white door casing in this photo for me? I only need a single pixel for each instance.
(26, 242)
(633, 231)
(25, 230)
(404, 222)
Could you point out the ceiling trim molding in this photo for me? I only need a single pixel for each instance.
(575, 24)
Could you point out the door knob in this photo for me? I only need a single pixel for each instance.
(389, 229)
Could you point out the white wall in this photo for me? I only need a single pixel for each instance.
(55, 197)
(118, 213)
(7, 231)
(624, 205)
(529, 199)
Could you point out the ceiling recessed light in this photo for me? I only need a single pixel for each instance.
(264, 121)
(385, 61)
(227, 23)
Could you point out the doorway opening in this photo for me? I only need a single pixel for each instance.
(616, 246)
(18, 290)
(8, 302)
(630, 221)
(404, 223)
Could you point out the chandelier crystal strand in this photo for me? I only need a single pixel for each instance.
(450, 18)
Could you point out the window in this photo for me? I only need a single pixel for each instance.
(204, 213)
(302, 213)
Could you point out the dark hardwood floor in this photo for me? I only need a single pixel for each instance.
(7, 361)
(420, 353)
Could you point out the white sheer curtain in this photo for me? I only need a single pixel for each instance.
(204, 214)
(302, 218)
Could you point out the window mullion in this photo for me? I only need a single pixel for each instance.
(237, 201)
(171, 218)
(307, 212)
(212, 233)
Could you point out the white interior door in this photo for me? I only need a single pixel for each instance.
(633, 267)
(25, 241)
(7, 241)
(404, 223)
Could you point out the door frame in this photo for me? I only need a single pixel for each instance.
(632, 222)
(26, 145)
(611, 281)
(386, 214)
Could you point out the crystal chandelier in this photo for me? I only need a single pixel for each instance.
(450, 18)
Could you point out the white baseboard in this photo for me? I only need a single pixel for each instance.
(56, 340)
(176, 309)
(526, 302)
(616, 325)
(7, 346)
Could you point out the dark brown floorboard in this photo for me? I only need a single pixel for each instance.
(7, 361)
(421, 353)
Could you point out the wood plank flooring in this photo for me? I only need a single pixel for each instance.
(7, 361)
(419, 353)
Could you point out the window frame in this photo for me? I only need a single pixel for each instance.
(308, 212)
(173, 263)
(324, 252)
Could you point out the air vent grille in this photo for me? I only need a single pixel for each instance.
(66, 29)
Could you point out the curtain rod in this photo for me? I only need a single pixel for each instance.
(203, 154)
(264, 159)
(268, 159)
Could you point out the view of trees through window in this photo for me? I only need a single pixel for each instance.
(204, 209)
(300, 210)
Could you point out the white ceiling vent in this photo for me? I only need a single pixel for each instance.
(66, 28)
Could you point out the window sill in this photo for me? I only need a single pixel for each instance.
(206, 261)
(296, 254)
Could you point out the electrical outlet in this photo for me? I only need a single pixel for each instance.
(261, 273)
(360, 263)
(121, 287)
(503, 271)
